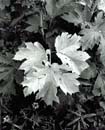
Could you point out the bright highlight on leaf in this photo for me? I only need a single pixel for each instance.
(43, 77)
(101, 5)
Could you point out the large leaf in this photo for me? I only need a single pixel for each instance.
(49, 90)
(34, 55)
(67, 50)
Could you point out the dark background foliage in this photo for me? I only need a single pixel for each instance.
(20, 21)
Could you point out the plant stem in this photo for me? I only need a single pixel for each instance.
(41, 22)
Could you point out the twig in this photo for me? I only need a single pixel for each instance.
(5, 108)
(41, 23)
(15, 21)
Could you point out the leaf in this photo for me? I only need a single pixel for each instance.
(49, 91)
(90, 72)
(34, 55)
(74, 17)
(66, 47)
(34, 23)
(81, 14)
(101, 50)
(93, 34)
(63, 77)
(43, 77)
(5, 71)
(47, 80)
(34, 81)
(99, 86)
(7, 85)
(4, 3)
(90, 38)
(4, 59)
(58, 7)
(101, 5)
(50, 7)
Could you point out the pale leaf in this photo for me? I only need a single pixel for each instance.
(101, 5)
(66, 47)
(34, 55)
(49, 91)
(63, 78)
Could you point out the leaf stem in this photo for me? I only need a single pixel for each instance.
(41, 22)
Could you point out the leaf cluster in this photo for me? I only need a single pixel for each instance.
(58, 44)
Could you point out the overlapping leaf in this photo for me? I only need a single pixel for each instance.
(42, 76)
(7, 85)
(93, 34)
(90, 72)
(47, 80)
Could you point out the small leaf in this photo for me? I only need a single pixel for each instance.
(99, 86)
(4, 3)
(93, 34)
(101, 5)
(90, 37)
(34, 23)
(101, 50)
(8, 87)
(90, 72)
(102, 104)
